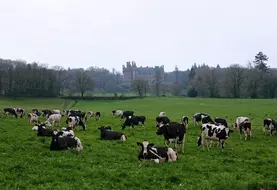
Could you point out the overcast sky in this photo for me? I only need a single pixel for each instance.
(108, 33)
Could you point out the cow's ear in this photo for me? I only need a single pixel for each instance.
(139, 144)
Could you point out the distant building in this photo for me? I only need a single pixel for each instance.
(132, 72)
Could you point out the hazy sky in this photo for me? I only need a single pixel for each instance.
(108, 33)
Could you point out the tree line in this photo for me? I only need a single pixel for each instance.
(256, 80)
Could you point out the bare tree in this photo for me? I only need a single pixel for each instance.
(157, 81)
(211, 81)
(234, 79)
(83, 82)
(139, 86)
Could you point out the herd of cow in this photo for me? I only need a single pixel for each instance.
(216, 130)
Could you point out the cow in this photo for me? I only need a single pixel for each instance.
(67, 132)
(107, 134)
(162, 114)
(185, 121)
(173, 132)
(53, 119)
(10, 111)
(74, 121)
(198, 117)
(65, 142)
(271, 125)
(42, 131)
(82, 115)
(207, 119)
(72, 112)
(117, 113)
(127, 114)
(212, 132)
(159, 154)
(131, 121)
(244, 125)
(97, 116)
(32, 117)
(162, 120)
(20, 111)
(90, 114)
(221, 121)
(46, 113)
(35, 111)
(56, 112)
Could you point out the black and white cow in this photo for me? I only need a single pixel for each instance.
(106, 133)
(90, 114)
(47, 113)
(244, 125)
(207, 119)
(126, 114)
(173, 132)
(213, 132)
(10, 111)
(221, 121)
(159, 154)
(162, 120)
(32, 118)
(97, 116)
(185, 121)
(42, 131)
(74, 121)
(162, 114)
(271, 125)
(53, 120)
(72, 112)
(117, 113)
(198, 118)
(131, 121)
(35, 111)
(81, 115)
(60, 142)
(20, 111)
(67, 132)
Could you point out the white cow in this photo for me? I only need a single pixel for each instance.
(53, 119)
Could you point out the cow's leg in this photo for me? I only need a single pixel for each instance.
(207, 144)
(245, 135)
(183, 143)
(222, 145)
(194, 122)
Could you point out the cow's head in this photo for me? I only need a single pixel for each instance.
(127, 122)
(145, 146)
(113, 112)
(162, 129)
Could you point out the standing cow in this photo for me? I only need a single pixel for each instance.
(244, 125)
(271, 125)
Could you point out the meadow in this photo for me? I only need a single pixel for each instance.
(27, 163)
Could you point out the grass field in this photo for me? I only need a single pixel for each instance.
(27, 163)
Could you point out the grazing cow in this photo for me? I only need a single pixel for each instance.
(244, 125)
(162, 114)
(221, 121)
(97, 116)
(127, 114)
(53, 119)
(173, 132)
(20, 111)
(212, 132)
(32, 117)
(65, 142)
(10, 111)
(162, 120)
(133, 120)
(46, 113)
(198, 117)
(35, 111)
(158, 154)
(271, 125)
(207, 119)
(74, 121)
(117, 113)
(73, 112)
(90, 114)
(185, 121)
(106, 133)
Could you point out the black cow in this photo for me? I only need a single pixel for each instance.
(158, 154)
(271, 125)
(65, 142)
(162, 120)
(221, 121)
(173, 131)
(106, 133)
(126, 114)
(35, 111)
(10, 111)
(97, 115)
(198, 117)
(131, 121)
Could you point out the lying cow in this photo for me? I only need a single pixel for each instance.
(162, 120)
(65, 142)
(74, 121)
(10, 111)
(271, 125)
(32, 118)
(173, 132)
(67, 132)
(158, 154)
(244, 125)
(117, 113)
(42, 131)
(131, 121)
(213, 132)
(106, 133)
(197, 118)
(53, 120)
(221, 121)
(126, 114)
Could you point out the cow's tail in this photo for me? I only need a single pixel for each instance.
(79, 145)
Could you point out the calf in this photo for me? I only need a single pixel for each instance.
(20, 111)
(107, 134)
(158, 154)
(213, 132)
(97, 116)
(53, 119)
(117, 113)
(162, 120)
(162, 114)
(32, 117)
(244, 125)
(126, 114)
(10, 111)
(185, 121)
(35, 111)
(133, 120)
(198, 117)
(65, 142)
(74, 121)
(221, 121)
(271, 125)
(173, 132)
